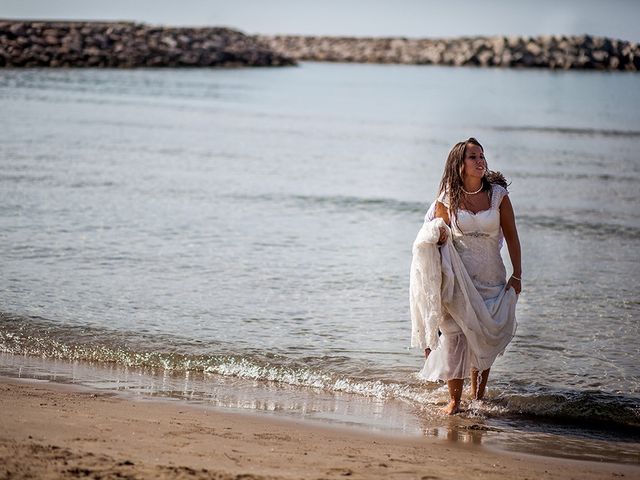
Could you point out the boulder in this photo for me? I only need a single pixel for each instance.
(546, 51)
(127, 45)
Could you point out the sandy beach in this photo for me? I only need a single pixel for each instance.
(62, 431)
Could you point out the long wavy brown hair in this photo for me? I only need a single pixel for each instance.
(452, 183)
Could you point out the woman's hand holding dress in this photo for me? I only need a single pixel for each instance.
(443, 236)
(515, 284)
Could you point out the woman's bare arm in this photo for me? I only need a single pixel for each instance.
(510, 232)
(442, 212)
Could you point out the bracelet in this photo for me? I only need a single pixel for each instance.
(516, 278)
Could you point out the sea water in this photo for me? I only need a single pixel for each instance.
(242, 238)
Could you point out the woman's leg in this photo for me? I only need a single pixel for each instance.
(455, 393)
(477, 391)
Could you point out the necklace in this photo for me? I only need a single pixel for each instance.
(472, 193)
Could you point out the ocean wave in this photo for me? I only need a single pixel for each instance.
(601, 132)
(592, 178)
(580, 227)
(594, 410)
(344, 202)
(41, 338)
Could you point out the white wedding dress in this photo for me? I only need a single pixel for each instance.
(477, 314)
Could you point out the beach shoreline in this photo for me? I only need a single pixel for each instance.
(62, 430)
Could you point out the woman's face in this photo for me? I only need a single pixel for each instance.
(474, 164)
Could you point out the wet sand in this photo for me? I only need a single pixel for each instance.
(61, 431)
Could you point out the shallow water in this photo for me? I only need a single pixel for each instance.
(256, 225)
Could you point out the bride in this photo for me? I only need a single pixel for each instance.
(462, 304)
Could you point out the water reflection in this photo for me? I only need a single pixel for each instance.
(219, 391)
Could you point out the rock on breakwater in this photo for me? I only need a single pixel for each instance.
(128, 45)
(547, 51)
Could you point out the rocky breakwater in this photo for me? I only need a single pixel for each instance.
(549, 51)
(128, 45)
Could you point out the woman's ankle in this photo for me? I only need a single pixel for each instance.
(452, 408)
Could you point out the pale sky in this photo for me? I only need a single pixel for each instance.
(410, 18)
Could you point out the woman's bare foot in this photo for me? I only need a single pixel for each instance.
(452, 408)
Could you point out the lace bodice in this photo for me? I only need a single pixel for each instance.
(477, 237)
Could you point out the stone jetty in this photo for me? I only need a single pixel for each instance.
(129, 45)
(548, 51)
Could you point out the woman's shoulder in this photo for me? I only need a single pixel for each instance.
(498, 192)
(496, 188)
(443, 198)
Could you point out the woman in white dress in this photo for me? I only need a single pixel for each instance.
(477, 320)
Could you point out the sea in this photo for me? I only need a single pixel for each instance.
(240, 239)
